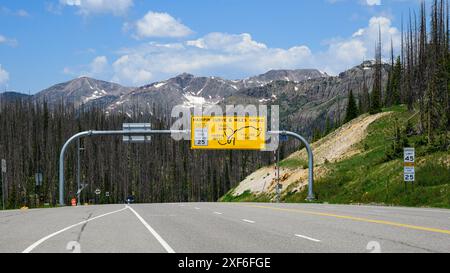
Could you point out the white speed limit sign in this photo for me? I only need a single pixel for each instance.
(409, 158)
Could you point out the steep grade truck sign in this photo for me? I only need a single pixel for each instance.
(228, 133)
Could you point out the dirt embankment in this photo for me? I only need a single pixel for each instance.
(338, 145)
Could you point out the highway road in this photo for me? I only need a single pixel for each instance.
(225, 228)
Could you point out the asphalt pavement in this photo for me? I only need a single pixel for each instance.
(225, 228)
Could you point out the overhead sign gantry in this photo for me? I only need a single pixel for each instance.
(224, 133)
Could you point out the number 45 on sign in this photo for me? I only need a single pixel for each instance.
(409, 159)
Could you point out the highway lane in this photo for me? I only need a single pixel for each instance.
(226, 227)
(19, 229)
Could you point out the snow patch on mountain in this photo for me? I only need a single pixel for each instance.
(161, 84)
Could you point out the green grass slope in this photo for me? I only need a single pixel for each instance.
(375, 176)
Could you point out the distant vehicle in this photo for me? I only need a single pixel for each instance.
(130, 199)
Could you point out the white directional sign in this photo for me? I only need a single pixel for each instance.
(136, 127)
(3, 166)
(409, 158)
(97, 191)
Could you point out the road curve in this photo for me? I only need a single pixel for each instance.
(225, 228)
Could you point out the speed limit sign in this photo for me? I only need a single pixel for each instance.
(409, 159)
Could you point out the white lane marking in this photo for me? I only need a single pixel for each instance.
(153, 232)
(248, 221)
(307, 238)
(218, 213)
(197, 208)
(34, 245)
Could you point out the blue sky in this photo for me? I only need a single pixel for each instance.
(135, 42)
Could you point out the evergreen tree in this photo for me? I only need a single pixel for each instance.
(395, 82)
(364, 97)
(375, 106)
(328, 126)
(352, 109)
(393, 86)
(317, 134)
(389, 89)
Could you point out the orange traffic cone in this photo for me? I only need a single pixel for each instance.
(74, 202)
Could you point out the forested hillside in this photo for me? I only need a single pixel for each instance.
(417, 94)
(32, 136)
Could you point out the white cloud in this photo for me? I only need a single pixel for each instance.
(4, 75)
(86, 7)
(155, 24)
(22, 13)
(97, 68)
(241, 43)
(238, 56)
(99, 65)
(8, 41)
(9, 12)
(345, 53)
(373, 2)
(223, 54)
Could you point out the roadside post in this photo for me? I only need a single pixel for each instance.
(277, 175)
(409, 157)
(3, 163)
(39, 178)
(282, 138)
(97, 195)
(79, 187)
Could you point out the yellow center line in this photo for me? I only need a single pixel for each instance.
(360, 219)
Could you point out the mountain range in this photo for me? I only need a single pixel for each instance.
(307, 97)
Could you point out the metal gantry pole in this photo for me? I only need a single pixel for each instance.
(311, 196)
(4, 185)
(78, 173)
(278, 176)
(103, 133)
(3, 191)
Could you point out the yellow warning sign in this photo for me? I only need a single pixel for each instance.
(409, 164)
(228, 133)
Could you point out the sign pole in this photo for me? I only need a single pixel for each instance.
(409, 157)
(78, 173)
(278, 176)
(3, 191)
(3, 170)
